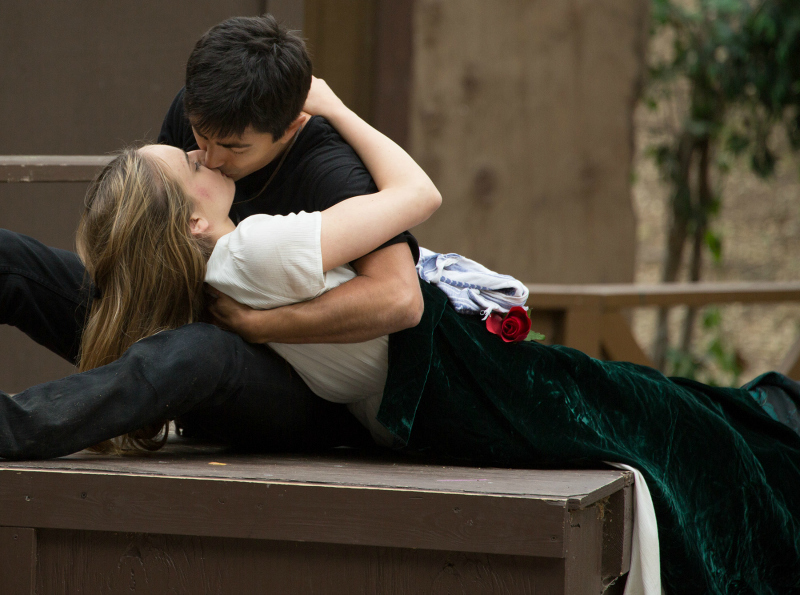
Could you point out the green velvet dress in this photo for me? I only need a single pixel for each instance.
(724, 476)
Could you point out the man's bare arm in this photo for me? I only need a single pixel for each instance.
(384, 298)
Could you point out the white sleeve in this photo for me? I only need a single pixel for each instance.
(270, 260)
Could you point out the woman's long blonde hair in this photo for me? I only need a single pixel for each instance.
(148, 269)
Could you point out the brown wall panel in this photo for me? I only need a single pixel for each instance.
(522, 115)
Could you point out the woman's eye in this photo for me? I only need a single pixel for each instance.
(196, 165)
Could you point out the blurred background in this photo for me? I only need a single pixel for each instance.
(571, 139)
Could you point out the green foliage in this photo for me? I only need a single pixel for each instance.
(737, 56)
(735, 66)
(717, 364)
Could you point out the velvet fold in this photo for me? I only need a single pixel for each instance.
(723, 474)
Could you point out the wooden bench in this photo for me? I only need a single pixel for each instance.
(194, 519)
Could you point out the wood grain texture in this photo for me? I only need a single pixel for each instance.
(522, 114)
(17, 560)
(99, 562)
(574, 488)
(630, 295)
(584, 551)
(334, 499)
(50, 168)
(221, 508)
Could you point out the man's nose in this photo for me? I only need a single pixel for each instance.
(213, 158)
(199, 156)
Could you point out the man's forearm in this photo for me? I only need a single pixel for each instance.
(384, 298)
(356, 311)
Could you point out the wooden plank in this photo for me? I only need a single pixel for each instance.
(614, 296)
(394, 56)
(582, 327)
(341, 39)
(574, 488)
(290, 13)
(618, 341)
(104, 562)
(18, 560)
(617, 534)
(584, 545)
(293, 512)
(51, 168)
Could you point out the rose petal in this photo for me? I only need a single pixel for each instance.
(494, 324)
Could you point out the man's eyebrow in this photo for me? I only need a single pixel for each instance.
(235, 145)
(229, 145)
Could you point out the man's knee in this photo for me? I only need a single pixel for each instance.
(12, 248)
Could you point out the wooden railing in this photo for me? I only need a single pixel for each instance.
(590, 318)
(586, 317)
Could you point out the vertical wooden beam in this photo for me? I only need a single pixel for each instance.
(618, 342)
(341, 38)
(292, 13)
(394, 57)
(18, 560)
(582, 327)
(584, 552)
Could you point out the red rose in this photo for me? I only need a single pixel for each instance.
(512, 327)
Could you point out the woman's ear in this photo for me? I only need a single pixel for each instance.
(198, 225)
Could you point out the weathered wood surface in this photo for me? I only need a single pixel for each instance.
(629, 295)
(332, 499)
(588, 318)
(103, 562)
(17, 560)
(51, 168)
(522, 114)
(202, 520)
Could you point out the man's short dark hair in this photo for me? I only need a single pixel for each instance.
(246, 71)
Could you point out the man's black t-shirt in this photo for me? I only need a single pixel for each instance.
(320, 170)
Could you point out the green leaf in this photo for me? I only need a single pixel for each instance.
(714, 243)
(534, 336)
(712, 318)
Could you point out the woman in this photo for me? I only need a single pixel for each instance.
(725, 477)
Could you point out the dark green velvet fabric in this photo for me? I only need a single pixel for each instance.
(724, 476)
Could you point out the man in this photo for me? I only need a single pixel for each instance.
(247, 79)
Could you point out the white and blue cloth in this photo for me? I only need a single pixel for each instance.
(471, 287)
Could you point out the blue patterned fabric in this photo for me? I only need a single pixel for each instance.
(470, 286)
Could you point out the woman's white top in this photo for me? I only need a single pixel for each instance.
(276, 260)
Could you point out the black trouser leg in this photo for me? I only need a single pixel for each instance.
(235, 388)
(43, 292)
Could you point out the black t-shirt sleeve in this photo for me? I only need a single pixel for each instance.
(175, 129)
(341, 175)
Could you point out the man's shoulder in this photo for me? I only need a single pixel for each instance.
(322, 158)
(319, 138)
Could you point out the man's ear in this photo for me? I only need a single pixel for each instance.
(198, 225)
(293, 127)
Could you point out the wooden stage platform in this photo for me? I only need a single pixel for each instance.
(194, 519)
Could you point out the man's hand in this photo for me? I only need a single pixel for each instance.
(231, 315)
